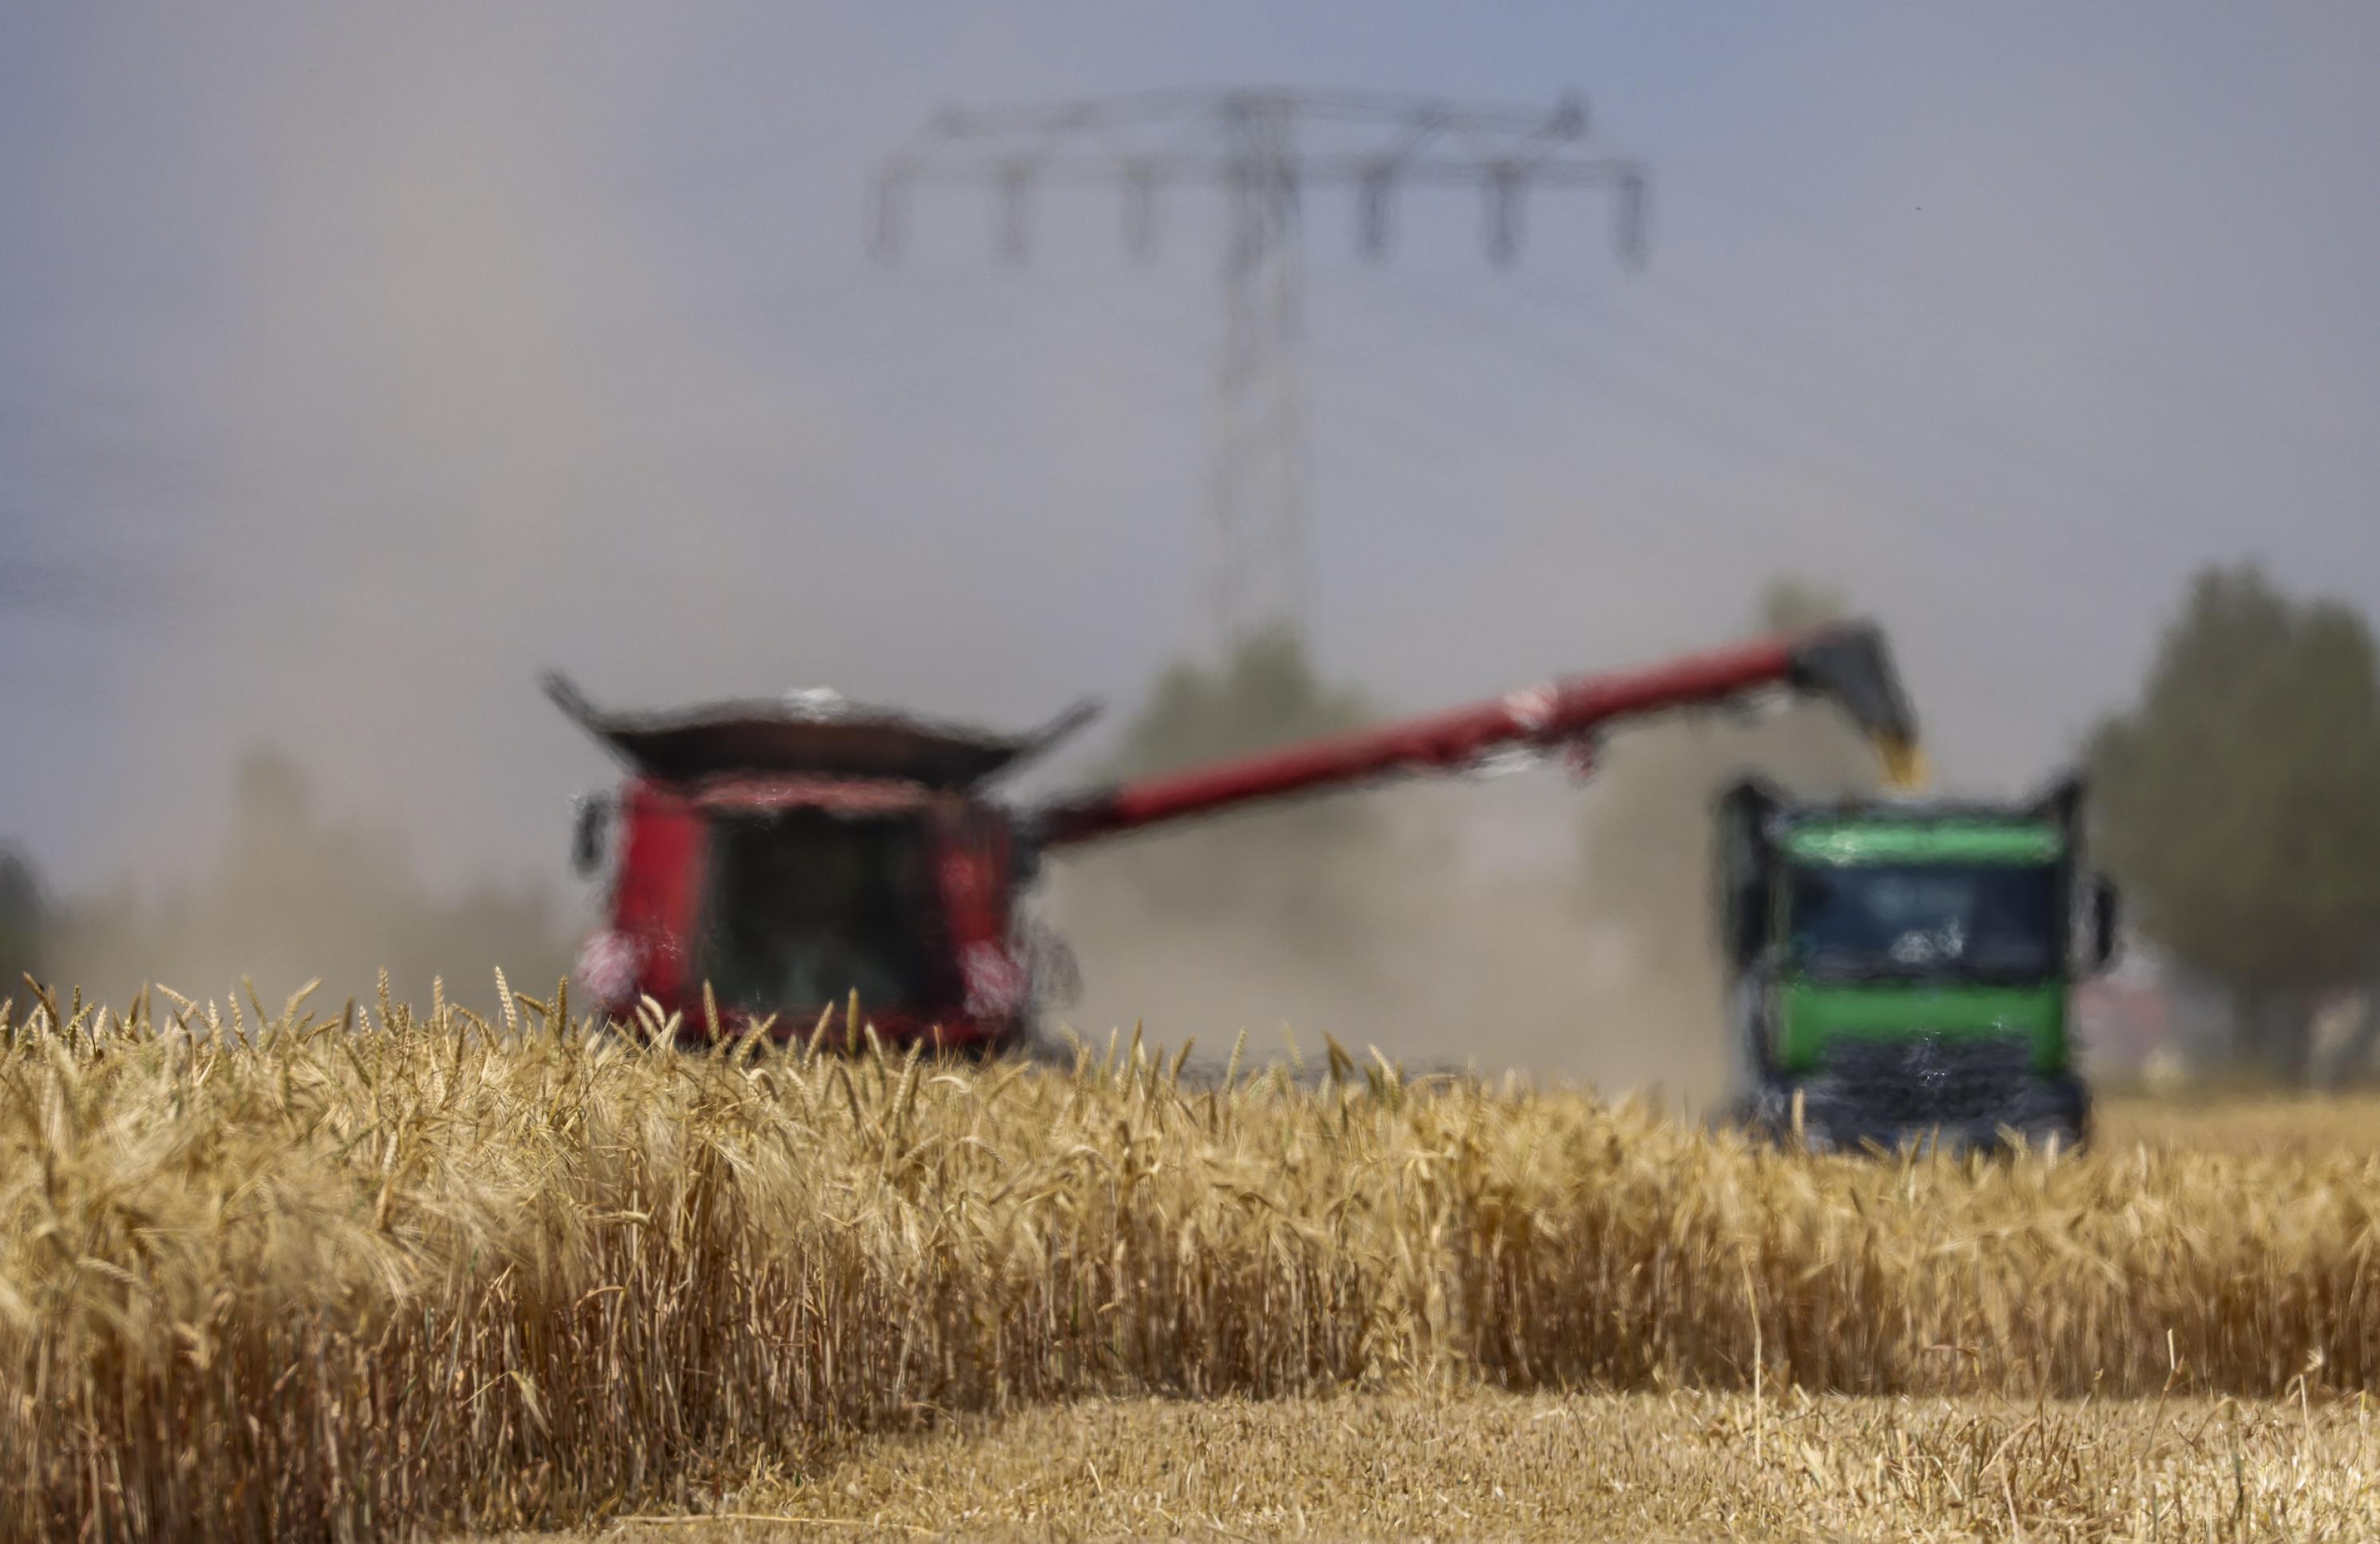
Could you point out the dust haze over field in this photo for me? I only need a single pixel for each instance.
(401, 355)
(1599, 961)
(466, 431)
(463, 433)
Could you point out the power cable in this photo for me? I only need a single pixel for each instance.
(1690, 518)
(1863, 499)
(2019, 457)
(1266, 150)
(1944, 295)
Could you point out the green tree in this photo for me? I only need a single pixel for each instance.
(1291, 857)
(1788, 602)
(1648, 815)
(299, 892)
(2238, 801)
(1316, 911)
(1648, 844)
(1264, 693)
(24, 923)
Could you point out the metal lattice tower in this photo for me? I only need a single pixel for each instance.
(1263, 149)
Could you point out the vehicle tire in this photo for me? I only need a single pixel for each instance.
(2057, 1109)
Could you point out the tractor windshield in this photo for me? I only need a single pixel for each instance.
(808, 906)
(1995, 921)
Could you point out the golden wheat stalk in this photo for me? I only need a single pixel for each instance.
(310, 1284)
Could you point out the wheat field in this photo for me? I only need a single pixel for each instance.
(2251, 1124)
(382, 1272)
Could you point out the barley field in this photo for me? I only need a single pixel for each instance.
(381, 1273)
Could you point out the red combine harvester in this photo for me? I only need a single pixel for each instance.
(790, 853)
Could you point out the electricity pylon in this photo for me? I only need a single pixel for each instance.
(1263, 149)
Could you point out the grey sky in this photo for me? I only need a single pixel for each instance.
(350, 370)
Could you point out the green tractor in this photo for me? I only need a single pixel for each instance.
(1901, 969)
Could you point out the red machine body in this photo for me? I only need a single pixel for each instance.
(789, 854)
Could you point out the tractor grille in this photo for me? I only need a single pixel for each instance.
(1917, 1079)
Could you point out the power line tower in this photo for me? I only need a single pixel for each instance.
(1263, 149)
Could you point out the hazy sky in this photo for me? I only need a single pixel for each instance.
(353, 369)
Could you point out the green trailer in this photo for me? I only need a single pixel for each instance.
(1901, 969)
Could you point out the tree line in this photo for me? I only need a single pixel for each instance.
(295, 892)
(2236, 798)
(2238, 804)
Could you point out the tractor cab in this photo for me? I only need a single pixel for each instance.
(790, 854)
(1904, 970)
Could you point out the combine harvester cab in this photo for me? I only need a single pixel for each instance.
(1903, 969)
(771, 859)
(786, 855)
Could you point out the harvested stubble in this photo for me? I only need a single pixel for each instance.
(2265, 1123)
(1474, 1465)
(334, 1279)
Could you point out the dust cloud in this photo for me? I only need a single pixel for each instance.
(465, 434)
(468, 431)
(302, 894)
(1596, 965)
(1595, 962)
